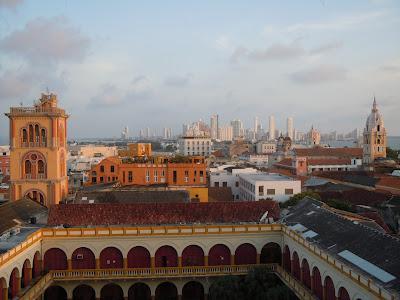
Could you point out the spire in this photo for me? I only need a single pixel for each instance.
(374, 109)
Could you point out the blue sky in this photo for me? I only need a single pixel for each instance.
(160, 64)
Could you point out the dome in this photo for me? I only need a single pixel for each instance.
(374, 119)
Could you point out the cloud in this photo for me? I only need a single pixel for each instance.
(47, 41)
(392, 69)
(15, 84)
(320, 74)
(340, 23)
(110, 95)
(326, 48)
(277, 52)
(178, 80)
(10, 4)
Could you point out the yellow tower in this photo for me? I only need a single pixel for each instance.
(38, 137)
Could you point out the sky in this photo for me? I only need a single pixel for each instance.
(164, 63)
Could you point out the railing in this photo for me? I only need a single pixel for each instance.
(36, 110)
(148, 273)
(38, 288)
(25, 144)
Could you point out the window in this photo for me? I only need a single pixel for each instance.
(270, 191)
(224, 184)
(113, 178)
(162, 173)
(101, 179)
(123, 176)
(237, 183)
(288, 191)
(94, 173)
(40, 167)
(174, 177)
(216, 184)
(112, 169)
(261, 190)
(94, 179)
(130, 176)
(186, 176)
(155, 176)
(102, 169)
(147, 175)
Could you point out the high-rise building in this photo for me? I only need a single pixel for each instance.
(272, 128)
(374, 136)
(38, 140)
(125, 133)
(256, 124)
(238, 130)
(226, 133)
(167, 133)
(214, 125)
(289, 127)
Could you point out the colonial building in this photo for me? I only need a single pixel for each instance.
(38, 137)
(374, 137)
(313, 136)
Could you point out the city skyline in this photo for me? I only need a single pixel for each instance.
(321, 63)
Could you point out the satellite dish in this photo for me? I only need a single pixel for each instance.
(264, 217)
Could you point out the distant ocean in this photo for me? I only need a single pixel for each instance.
(393, 142)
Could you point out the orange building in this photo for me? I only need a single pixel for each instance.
(136, 149)
(38, 138)
(185, 171)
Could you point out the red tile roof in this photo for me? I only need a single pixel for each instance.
(389, 181)
(328, 161)
(329, 152)
(377, 218)
(160, 213)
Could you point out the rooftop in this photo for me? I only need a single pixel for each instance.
(332, 152)
(371, 252)
(161, 213)
(265, 177)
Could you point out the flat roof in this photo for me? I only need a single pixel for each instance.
(265, 177)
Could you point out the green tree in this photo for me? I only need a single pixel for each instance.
(227, 288)
(392, 154)
(339, 204)
(298, 197)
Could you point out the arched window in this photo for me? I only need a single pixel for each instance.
(37, 134)
(41, 167)
(44, 137)
(28, 167)
(31, 133)
(24, 136)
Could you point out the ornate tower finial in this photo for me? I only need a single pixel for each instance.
(374, 105)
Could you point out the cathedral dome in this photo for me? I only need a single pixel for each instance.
(374, 119)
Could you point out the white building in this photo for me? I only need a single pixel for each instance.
(167, 133)
(255, 187)
(263, 147)
(272, 128)
(225, 133)
(195, 146)
(255, 159)
(214, 127)
(238, 130)
(229, 177)
(289, 127)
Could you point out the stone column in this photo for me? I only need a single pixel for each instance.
(125, 263)
(5, 293)
(97, 263)
(69, 261)
(152, 262)
(312, 281)
(179, 261)
(258, 258)
(206, 260)
(232, 259)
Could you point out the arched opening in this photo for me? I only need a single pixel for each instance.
(55, 292)
(36, 269)
(83, 258)
(111, 258)
(166, 256)
(193, 255)
(139, 257)
(343, 294)
(219, 255)
(245, 254)
(30, 133)
(83, 292)
(44, 137)
(55, 259)
(305, 273)
(286, 259)
(37, 134)
(193, 290)
(3, 289)
(24, 136)
(329, 289)
(41, 169)
(271, 253)
(26, 274)
(317, 283)
(111, 291)
(139, 291)
(28, 168)
(166, 291)
(296, 266)
(14, 284)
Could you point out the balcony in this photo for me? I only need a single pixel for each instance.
(25, 144)
(36, 110)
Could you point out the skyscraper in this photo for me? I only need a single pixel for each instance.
(271, 127)
(214, 126)
(289, 127)
(238, 130)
